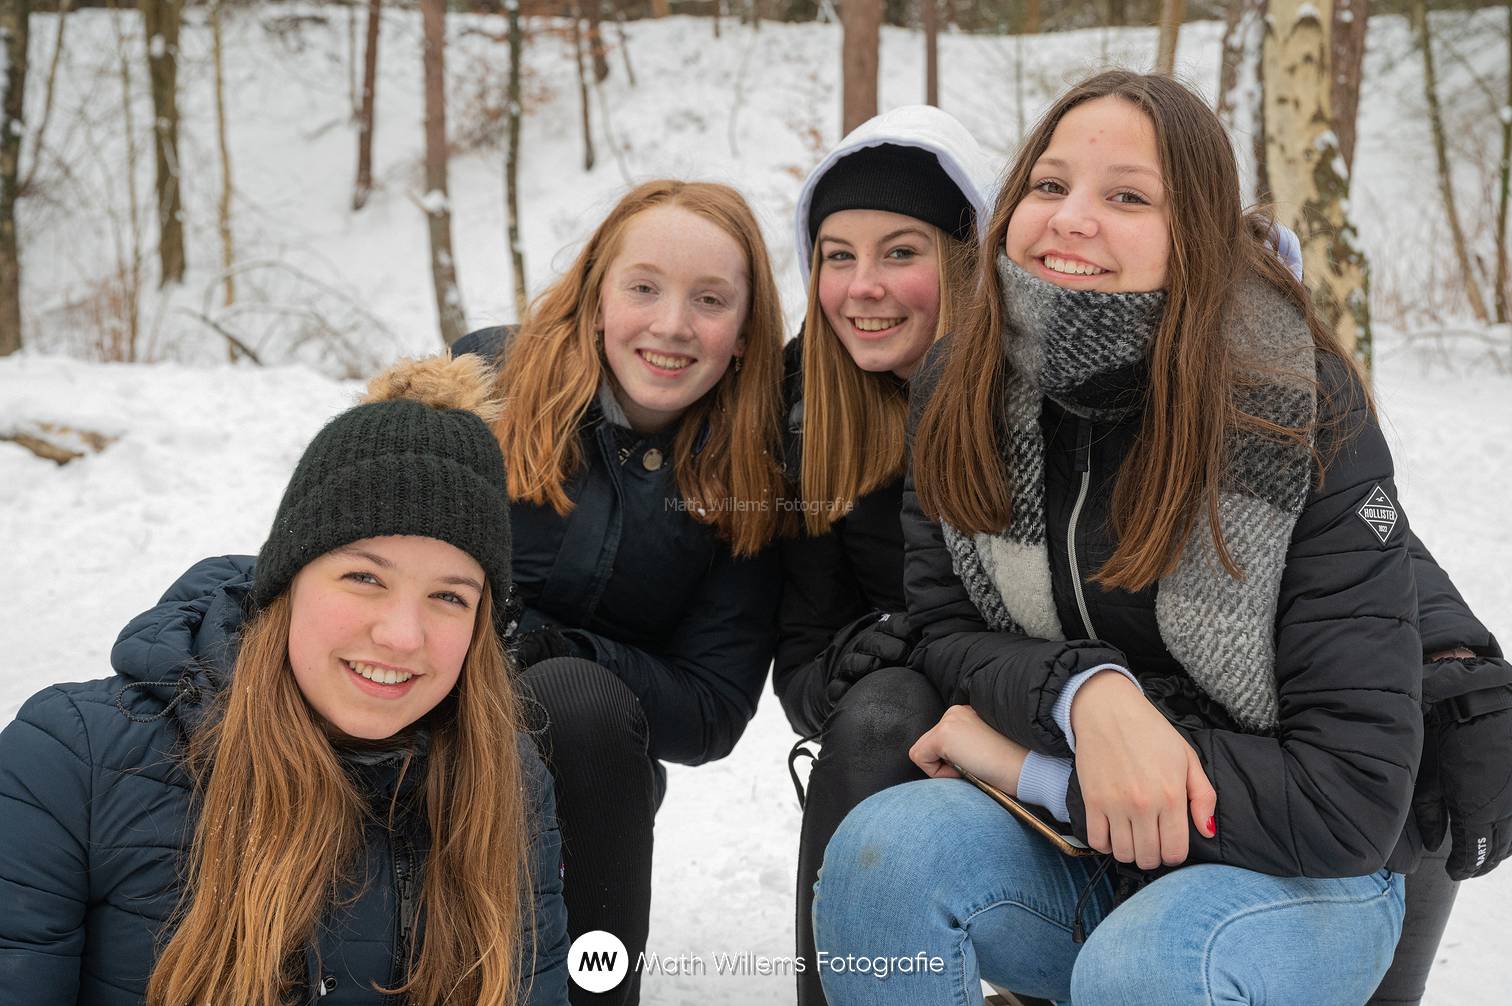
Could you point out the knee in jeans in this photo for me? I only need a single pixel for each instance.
(887, 710)
(585, 705)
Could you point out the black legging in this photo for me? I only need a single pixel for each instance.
(1430, 896)
(865, 750)
(592, 735)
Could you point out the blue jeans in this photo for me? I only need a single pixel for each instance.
(930, 886)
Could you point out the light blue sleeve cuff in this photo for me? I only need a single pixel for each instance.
(1062, 710)
(1044, 780)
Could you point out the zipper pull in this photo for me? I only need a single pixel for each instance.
(1083, 444)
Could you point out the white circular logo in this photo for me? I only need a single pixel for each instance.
(597, 961)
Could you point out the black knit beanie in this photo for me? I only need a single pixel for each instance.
(395, 467)
(898, 179)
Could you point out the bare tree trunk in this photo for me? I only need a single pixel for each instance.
(512, 161)
(354, 81)
(161, 19)
(1303, 162)
(15, 33)
(1033, 17)
(594, 12)
(1232, 58)
(1259, 141)
(861, 24)
(364, 186)
(1241, 88)
(624, 41)
(659, 8)
(714, 9)
(437, 205)
(1501, 295)
(1118, 13)
(1347, 63)
(121, 344)
(929, 13)
(223, 209)
(582, 76)
(1441, 156)
(1171, 13)
(47, 100)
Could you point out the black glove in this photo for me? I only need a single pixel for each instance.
(543, 644)
(887, 642)
(1465, 779)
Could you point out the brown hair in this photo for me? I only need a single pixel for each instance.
(853, 420)
(1170, 478)
(727, 448)
(280, 826)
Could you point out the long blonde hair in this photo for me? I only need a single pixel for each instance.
(854, 420)
(280, 825)
(727, 449)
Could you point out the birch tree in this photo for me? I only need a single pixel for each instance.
(1171, 13)
(1306, 173)
(1347, 59)
(929, 14)
(369, 94)
(160, 19)
(861, 27)
(582, 79)
(512, 160)
(436, 203)
(1504, 175)
(223, 207)
(15, 31)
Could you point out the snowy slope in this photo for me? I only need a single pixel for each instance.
(205, 449)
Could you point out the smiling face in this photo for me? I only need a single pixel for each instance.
(879, 287)
(1095, 216)
(673, 302)
(379, 630)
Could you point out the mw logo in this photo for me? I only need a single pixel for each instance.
(597, 960)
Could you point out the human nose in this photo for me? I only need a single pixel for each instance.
(399, 627)
(671, 320)
(865, 282)
(1074, 217)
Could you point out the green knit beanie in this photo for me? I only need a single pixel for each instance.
(420, 460)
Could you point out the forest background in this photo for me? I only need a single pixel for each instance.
(217, 219)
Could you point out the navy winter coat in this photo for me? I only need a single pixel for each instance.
(642, 588)
(1328, 794)
(96, 814)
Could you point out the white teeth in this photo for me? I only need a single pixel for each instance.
(381, 675)
(665, 362)
(1070, 267)
(875, 324)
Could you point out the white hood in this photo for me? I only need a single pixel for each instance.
(922, 126)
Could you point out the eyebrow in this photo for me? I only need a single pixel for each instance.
(382, 563)
(891, 235)
(700, 281)
(1117, 169)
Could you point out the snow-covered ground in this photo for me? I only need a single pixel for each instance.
(204, 449)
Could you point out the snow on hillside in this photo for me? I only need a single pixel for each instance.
(205, 449)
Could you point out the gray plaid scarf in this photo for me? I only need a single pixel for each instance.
(1086, 351)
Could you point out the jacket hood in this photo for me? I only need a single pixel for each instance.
(922, 126)
(188, 640)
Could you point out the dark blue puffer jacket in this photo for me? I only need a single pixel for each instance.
(95, 814)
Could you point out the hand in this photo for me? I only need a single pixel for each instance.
(1140, 779)
(885, 643)
(1466, 772)
(542, 644)
(963, 738)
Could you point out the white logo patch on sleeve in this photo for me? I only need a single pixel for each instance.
(1378, 513)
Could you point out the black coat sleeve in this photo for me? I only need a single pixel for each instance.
(1328, 793)
(700, 690)
(820, 599)
(1445, 621)
(45, 787)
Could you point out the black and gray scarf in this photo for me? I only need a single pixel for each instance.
(1087, 352)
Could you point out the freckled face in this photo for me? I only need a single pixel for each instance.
(1095, 216)
(673, 304)
(879, 287)
(379, 630)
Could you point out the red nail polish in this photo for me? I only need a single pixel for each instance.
(1212, 827)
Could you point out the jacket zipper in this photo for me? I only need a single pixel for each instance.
(1084, 466)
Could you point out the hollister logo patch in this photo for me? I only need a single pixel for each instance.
(1378, 513)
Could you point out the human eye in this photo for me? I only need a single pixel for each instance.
(362, 576)
(452, 597)
(903, 253)
(1129, 197)
(711, 300)
(838, 255)
(1048, 187)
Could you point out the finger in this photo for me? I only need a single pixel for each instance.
(926, 752)
(1202, 799)
(1097, 831)
(1121, 839)
(1173, 836)
(1145, 831)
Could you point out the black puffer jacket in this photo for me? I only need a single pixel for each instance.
(1328, 794)
(645, 590)
(97, 811)
(834, 585)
